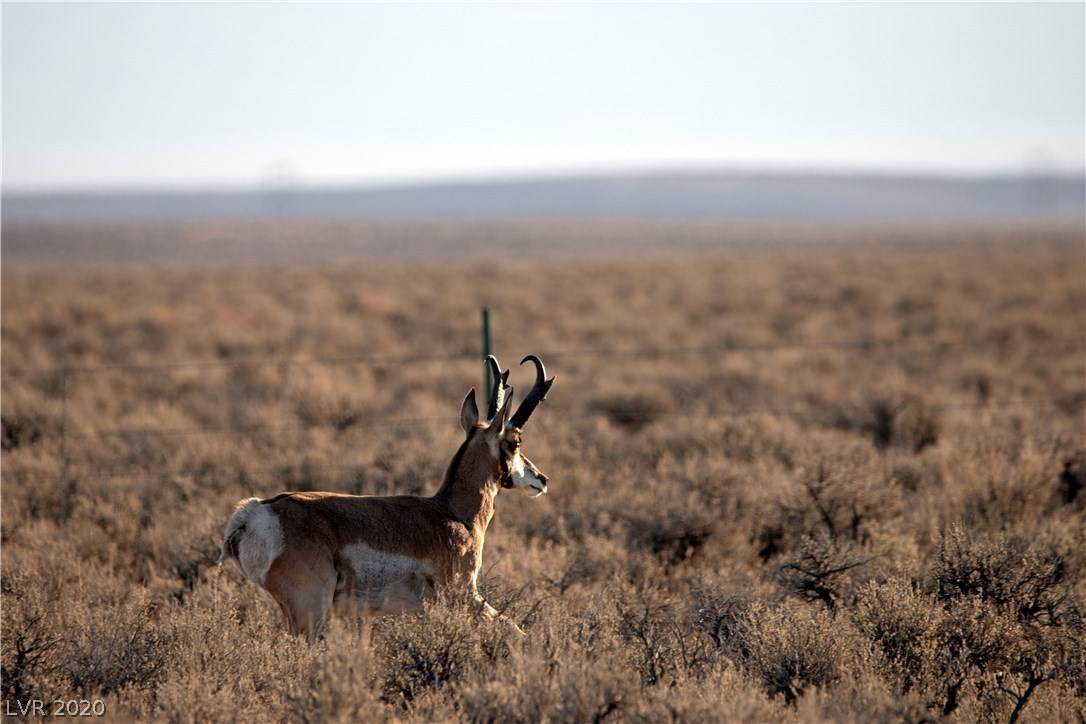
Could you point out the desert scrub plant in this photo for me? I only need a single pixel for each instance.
(1028, 579)
(863, 698)
(573, 666)
(675, 531)
(943, 653)
(905, 421)
(112, 649)
(31, 654)
(1072, 478)
(29, 417)
(230, 661)
(146, 536)
(899, 622)
(631, 410)
(837, 493)
(971, 642)
(339, 682)
(788, 647)
(719, 611)
(753, 438)
(722, 693)
(1003, 481)
(969, 639)
(1011, 620)
(435, 648)
(189, 564)
(16, 432)
(915, 474)
(823, 570)
(663, 648)
(1042, 654)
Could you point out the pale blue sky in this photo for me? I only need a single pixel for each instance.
(124, 95)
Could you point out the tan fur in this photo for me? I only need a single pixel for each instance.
(362, 550)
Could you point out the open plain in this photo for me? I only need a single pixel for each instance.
(800, 473)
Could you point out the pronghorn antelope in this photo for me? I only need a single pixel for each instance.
(382, 554)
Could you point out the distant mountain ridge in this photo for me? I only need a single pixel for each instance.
(673, 196)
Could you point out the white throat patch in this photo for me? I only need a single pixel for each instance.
(524, 478)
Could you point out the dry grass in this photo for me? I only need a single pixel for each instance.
(881, 533)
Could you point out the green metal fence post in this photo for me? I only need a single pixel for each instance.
(488, 380)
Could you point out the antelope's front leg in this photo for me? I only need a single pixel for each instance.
(485, 609)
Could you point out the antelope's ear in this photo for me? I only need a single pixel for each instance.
(469, 412)
(497, 425)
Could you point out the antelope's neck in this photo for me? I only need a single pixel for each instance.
(474, 507)
(469, 488)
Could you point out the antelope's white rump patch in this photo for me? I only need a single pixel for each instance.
(261, 541)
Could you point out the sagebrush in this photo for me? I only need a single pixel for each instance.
(755, 525)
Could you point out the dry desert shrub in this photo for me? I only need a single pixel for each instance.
(746, 522)
(1073, 479)
(554, 677)
(837, 492)
(997, 625)
(31, 653)
(435, 649)
(824, 570)
(907, 420)
(1029, 579)
(791, 648)
(632, 410)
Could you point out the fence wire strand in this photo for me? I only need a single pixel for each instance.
(352, 422)
(627, 416)
(380, 360)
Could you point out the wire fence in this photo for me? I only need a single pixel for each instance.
(358, 421)
(384, 421)
(126, 471)
(471, 355)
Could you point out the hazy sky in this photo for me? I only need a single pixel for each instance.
(121, 95)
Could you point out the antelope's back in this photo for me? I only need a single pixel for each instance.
(403, 524)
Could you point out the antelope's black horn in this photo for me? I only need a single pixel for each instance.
(496, 394)
(536, 395)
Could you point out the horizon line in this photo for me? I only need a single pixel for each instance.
(287, 184)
